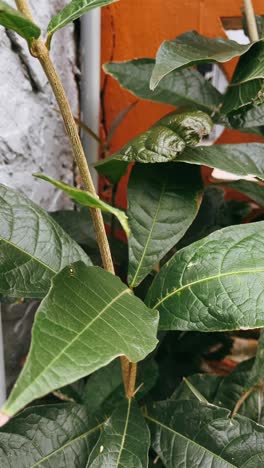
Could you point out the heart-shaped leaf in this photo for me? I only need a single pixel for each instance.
(191, 434)
(16, 21)
(74, 10)
(183, 88)
(88, 319)
(54, 435)
(87, 199)
(214, 284)
(125, 440)
(163, 201)
(190, 49)
(33, 247)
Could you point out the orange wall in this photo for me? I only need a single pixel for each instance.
(136, 28)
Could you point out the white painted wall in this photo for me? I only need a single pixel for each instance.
(32, 136)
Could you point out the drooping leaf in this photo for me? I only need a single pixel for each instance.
(163, 201)
(16, 21)
(87, 199)
(74, 10)
(112, 167)
(240, 159)
(33, 247)
(186, 87)
(125, 440)
(191, 434)
(105, 389)
(215, 284)
(88, 319)
(250, 189)
(54, 435)
(190, 49)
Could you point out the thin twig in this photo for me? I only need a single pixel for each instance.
(41, 52)
(251, 21)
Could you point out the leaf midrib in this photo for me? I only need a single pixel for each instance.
(33, 257)
(169, 429)
(150, 234)
(65, 446)
(124, 434)
(76, 338)
(203, 280)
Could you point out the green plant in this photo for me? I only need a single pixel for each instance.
(185, 277)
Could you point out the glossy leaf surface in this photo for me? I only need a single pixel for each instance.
(168, 138)
(190, 49)
(88, 319)
(183, 88)
(215, 284)
(48, 436)
(33, 247)
(125, 440)
(191, 434)
(241, 159)
(74, 10)
(12, 19)
(87, 199)
(163, 201)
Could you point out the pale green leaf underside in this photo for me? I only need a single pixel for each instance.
(87, 199)
(74, 10)
(215, 284)
(33, 247)
(124, 441)
(192, 434)
(14, 20)
(163, 201)
(186, 87)
(55, 435)
(88, 319)
(190, 49)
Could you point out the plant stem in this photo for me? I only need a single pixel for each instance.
(251, 21)
(40, 51)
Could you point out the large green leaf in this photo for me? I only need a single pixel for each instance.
(190, 49)
(16, 21)
(194, 434)
(87, 199)
(125, 440)
(105, 389)
(251, 116)
(48, 436)
(186, 87)
(168, 138)
(237, 97)
(163, 201)
(33, 247)
(214, 284)
(248, 188)
(74, 10)
(241, 159)
(251, 65)
(88, 319)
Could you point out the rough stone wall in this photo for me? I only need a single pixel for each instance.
(32, 139)
(32, 136)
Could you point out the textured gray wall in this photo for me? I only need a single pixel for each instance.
(32, 139)
(32, 136)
